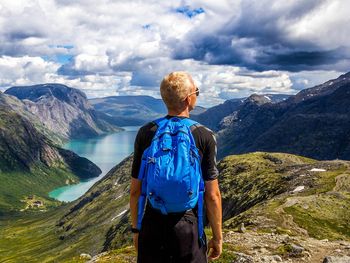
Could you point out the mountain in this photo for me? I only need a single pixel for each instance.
(96, 221)
(284, 201)
(197, 110)
(133, 110)
(19, 107)
(63, 110)
(314, 123)
(30, 163)
(214, 117)
(130, 110)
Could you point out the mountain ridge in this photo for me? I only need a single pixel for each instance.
(313, 126)
(30, 162)
(63, 110)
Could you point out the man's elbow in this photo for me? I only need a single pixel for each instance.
(213, 196)
(135, 188)
(135, 193)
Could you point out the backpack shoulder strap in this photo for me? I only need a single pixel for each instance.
(159, 122)
(188, 122)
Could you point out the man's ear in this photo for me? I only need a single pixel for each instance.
(187, 101)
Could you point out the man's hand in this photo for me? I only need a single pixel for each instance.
(214, 249)
(136, 241)
(135, 192)
(214, 213)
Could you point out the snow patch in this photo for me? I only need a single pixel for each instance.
(121, 213)
(317, 170)
(330, 83)
(267, 97)
(299, 188)
(118, 197)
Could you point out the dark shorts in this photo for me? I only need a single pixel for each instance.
(170, 238)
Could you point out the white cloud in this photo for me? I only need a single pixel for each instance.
(126, 47)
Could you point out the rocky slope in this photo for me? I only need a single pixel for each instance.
(30, 163)
(63, 110)
(278, 208)
(216, 117)
(130, 110)
(314, 123)
(284, 201)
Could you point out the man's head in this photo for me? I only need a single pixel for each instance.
(178, 91)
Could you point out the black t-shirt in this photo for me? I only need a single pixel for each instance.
(205, 142)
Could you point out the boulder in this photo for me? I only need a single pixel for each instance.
(334, 259)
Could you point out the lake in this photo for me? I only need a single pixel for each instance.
(105, 151)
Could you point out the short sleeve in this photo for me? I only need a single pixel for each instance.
(209, 165)
(137, 155)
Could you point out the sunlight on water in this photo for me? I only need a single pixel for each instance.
(105, 151)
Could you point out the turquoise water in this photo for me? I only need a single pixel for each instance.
(105, 151)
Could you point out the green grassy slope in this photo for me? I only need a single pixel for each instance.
(31, 163)
(95, 222)
(15, 187)
(257, 189)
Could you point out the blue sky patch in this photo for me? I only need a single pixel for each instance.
(59, 58)
(62, 46)
(187, 11)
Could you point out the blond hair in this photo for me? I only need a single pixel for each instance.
(174, 89)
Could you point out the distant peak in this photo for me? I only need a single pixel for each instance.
(38, 91)
(258, 99)
(346, 75)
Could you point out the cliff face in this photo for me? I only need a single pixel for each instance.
(21, 145)
(30, 163)
(63, 110)
(314, 123)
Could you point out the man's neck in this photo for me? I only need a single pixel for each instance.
(184, 113)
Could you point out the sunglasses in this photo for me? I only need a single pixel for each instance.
(197, 92)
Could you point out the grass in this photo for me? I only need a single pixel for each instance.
(323, 209)
(26, 232)
(326, 217)
(16, 186)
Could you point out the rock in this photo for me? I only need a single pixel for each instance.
(277, 258)
(324, 240)
(333, 259)
(296, 250)
(85, 256)
(243, 258)
(241, 228)
(263, 250)
(271, 259)
(286, 239)
(97, 257)
(337, 250)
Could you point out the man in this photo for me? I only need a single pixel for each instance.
(174, 237)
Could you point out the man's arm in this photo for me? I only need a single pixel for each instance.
(214, 213)
(135, 185)
(135, 192)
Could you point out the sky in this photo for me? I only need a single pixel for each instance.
(232, 48)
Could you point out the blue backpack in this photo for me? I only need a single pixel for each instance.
(171, 172)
